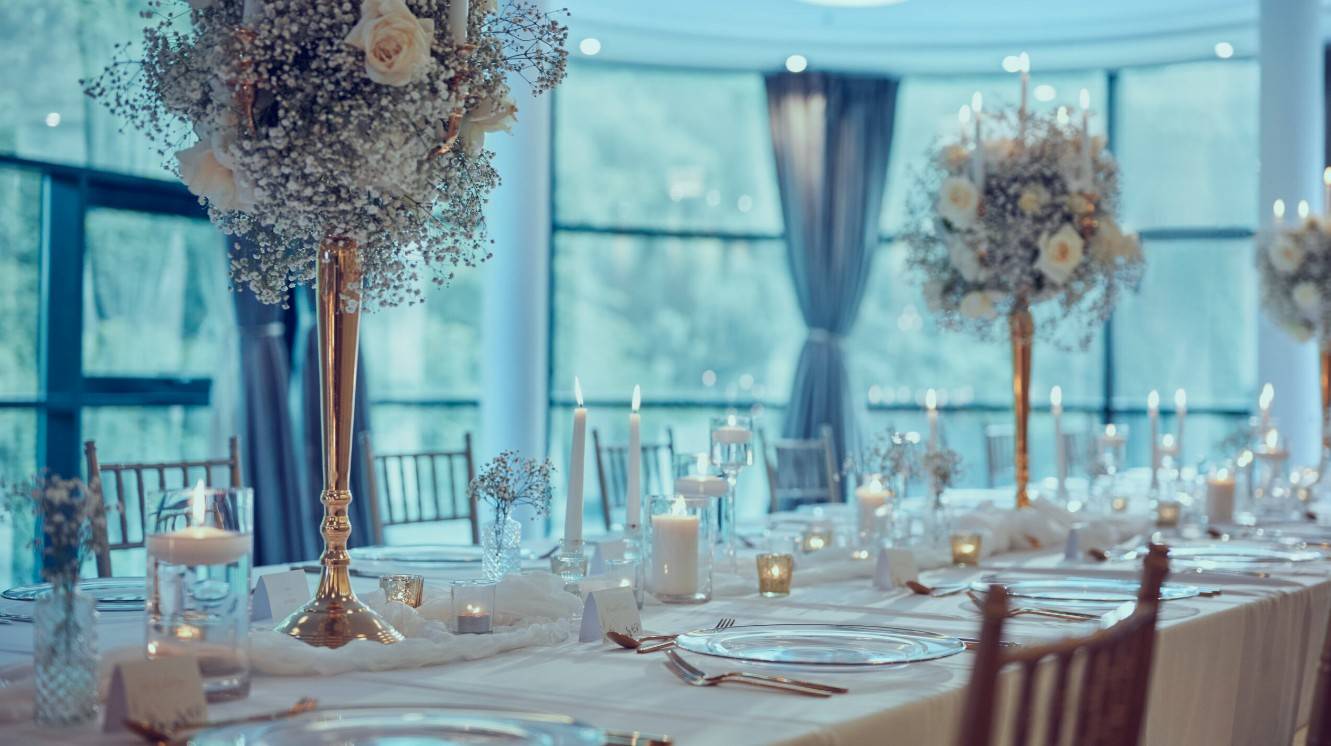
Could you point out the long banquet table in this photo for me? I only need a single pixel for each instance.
(1232, 669)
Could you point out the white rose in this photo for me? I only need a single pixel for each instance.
(1286, 254)
(978, 304)
(1060, 254)
(965, 260)
(208, 176)
(1110, 243)
(1033, 198)
(998, 150)
(487, 116)
(396, 43)
(1308, 298)
(958, 201)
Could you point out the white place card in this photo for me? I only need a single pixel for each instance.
(610, 609)
(278, 594)
(164, 693)
(895, 567)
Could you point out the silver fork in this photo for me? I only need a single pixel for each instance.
(668, 641)
(1067, 616)
(694, 677)
(679, 659)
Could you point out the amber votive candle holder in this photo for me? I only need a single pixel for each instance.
(404, 589)
(1167, 513)
(774, 574)
(1118, 503)
(966, 548)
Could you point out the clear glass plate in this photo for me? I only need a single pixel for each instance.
(421, 553)
(406, 726)
(821, 644)
(1228, 555)
(112, 594)
(1107, 590)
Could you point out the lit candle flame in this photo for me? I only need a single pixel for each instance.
(1222, 474)
(875, 484)
(964, 115)
(1303, 209)
(1084, 98)
(473, 610)
(1167, 441)
(1180, 399)
(704, 464)
(198, 502)
(1278, 209)
(577, 391)
(1063, 115)
(637, 397)
(1326, 176)
(678, 506)
(1272, 439)
(1023, 62)
(931, 399)
(1111, 430)
(1056, 397)
(977, 102)
(1153, 400)
(1268, 394)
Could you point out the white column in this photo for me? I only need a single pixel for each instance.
(1292, 151)
(515, 312)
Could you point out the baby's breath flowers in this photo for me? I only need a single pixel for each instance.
(297, 121)
(72, 517)
(510, 480)
(1020, 219)
(1294, 265)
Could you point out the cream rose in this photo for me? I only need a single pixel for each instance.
(955, 156)
(209, 173)
(1032, 199)
(396, 43)
(1285, 253)
(978, 304)
(487, 116)
(959, 201)
(1110, 243)
(965, 260)
(1308, 298)
(1079, 205)
(1060, 254)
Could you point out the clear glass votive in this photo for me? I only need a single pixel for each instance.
(775, 572)
(626, 572)
(198, 542)
(873, 509)
(966, 548)
(473, 606)
(1167, 513)
(404, 589)
(1221, 491)
(679, 549)
(570, 562)
(732, 442)
(818, 535)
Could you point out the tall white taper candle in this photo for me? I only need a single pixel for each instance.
(573, 508)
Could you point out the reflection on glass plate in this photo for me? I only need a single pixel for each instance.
(821, 644)
(423, 553)
(112, 594)
(1106, 590)
(417, 726)
(1226, 555)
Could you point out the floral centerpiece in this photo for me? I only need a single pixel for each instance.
(1019, 214)
(509, 481)
(72, 520)
(1294, 267)
(344, 142)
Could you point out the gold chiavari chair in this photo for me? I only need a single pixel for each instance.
(420, 487)
(801, 472)
(1319, 723)
(612, 471)
(1085, 691)
(125, 487)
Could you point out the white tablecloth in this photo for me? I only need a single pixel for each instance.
(1233, 669)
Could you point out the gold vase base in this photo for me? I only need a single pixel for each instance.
(334, 620)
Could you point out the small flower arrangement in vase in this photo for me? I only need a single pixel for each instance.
(505, 483)
(72, 521)
(1018, 214)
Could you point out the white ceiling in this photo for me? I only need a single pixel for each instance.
(915, 36)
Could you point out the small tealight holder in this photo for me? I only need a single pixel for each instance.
(473, 606)
(570, 562)
(403, 589)
(818, 535)
(1167, 513)
(1221, 489)
(626, 572)
(681, 533)
(774, 574)
(966, 548)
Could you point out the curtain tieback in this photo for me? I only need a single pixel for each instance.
(823, 336)
(271, 329)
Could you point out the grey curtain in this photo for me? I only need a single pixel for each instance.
(832, 135)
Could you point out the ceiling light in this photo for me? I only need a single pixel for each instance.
(1044, 92)
(1224, 50)
(590, 46)
(797, 63)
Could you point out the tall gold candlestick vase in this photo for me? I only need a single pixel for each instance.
(335, 616)
(1022, 329)
(1325, 385)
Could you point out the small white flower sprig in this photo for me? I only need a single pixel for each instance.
(1294, 266)
(300, 121)
(1023, 216)
(510, 480)
(942, 466)
(892, 453)
(73, 522)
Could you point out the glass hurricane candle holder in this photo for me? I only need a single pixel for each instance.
(473, 606)
(1221, 490)
(873, 509)
(570, 562)
(403, 589)
(681, 530)
(626, 572)
(198, 542)
(1168, 513)
(775, 572)
(966, 548)
(731, 450)
(818, 535)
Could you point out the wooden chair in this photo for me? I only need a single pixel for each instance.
(419, 487)
(1000, 445)
(612, 471)
(801, 472)
(127, 486)
(1107, 673)
(1319, 722)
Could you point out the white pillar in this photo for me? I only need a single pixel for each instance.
(1292, 152)
(515, 311)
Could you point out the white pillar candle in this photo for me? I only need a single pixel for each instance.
(732, 434)
(1220, 491)
(1264, 405)
(573, 507)
(1060, 448)
(1181, 413)
(675, 552)
(931, 403)
(869, 500)
(701, 485)
(964, 120)
(457, 21)
(634, 500)
(1024, 62)
(198, 544)
(1326, 191)
(1153, 411)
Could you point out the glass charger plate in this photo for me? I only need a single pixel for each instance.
(1099, 590)
(848, 645)
(112, 594)
(1227, 555)
(425, 554)
(418, 726)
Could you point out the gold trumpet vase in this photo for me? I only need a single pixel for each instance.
(1325, 385)
(1021, 326)
(335, 616)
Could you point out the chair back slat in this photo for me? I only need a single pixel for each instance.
(801, 472)
(132, 504)
(1107, 704)
(401, 494)
(612, 472)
